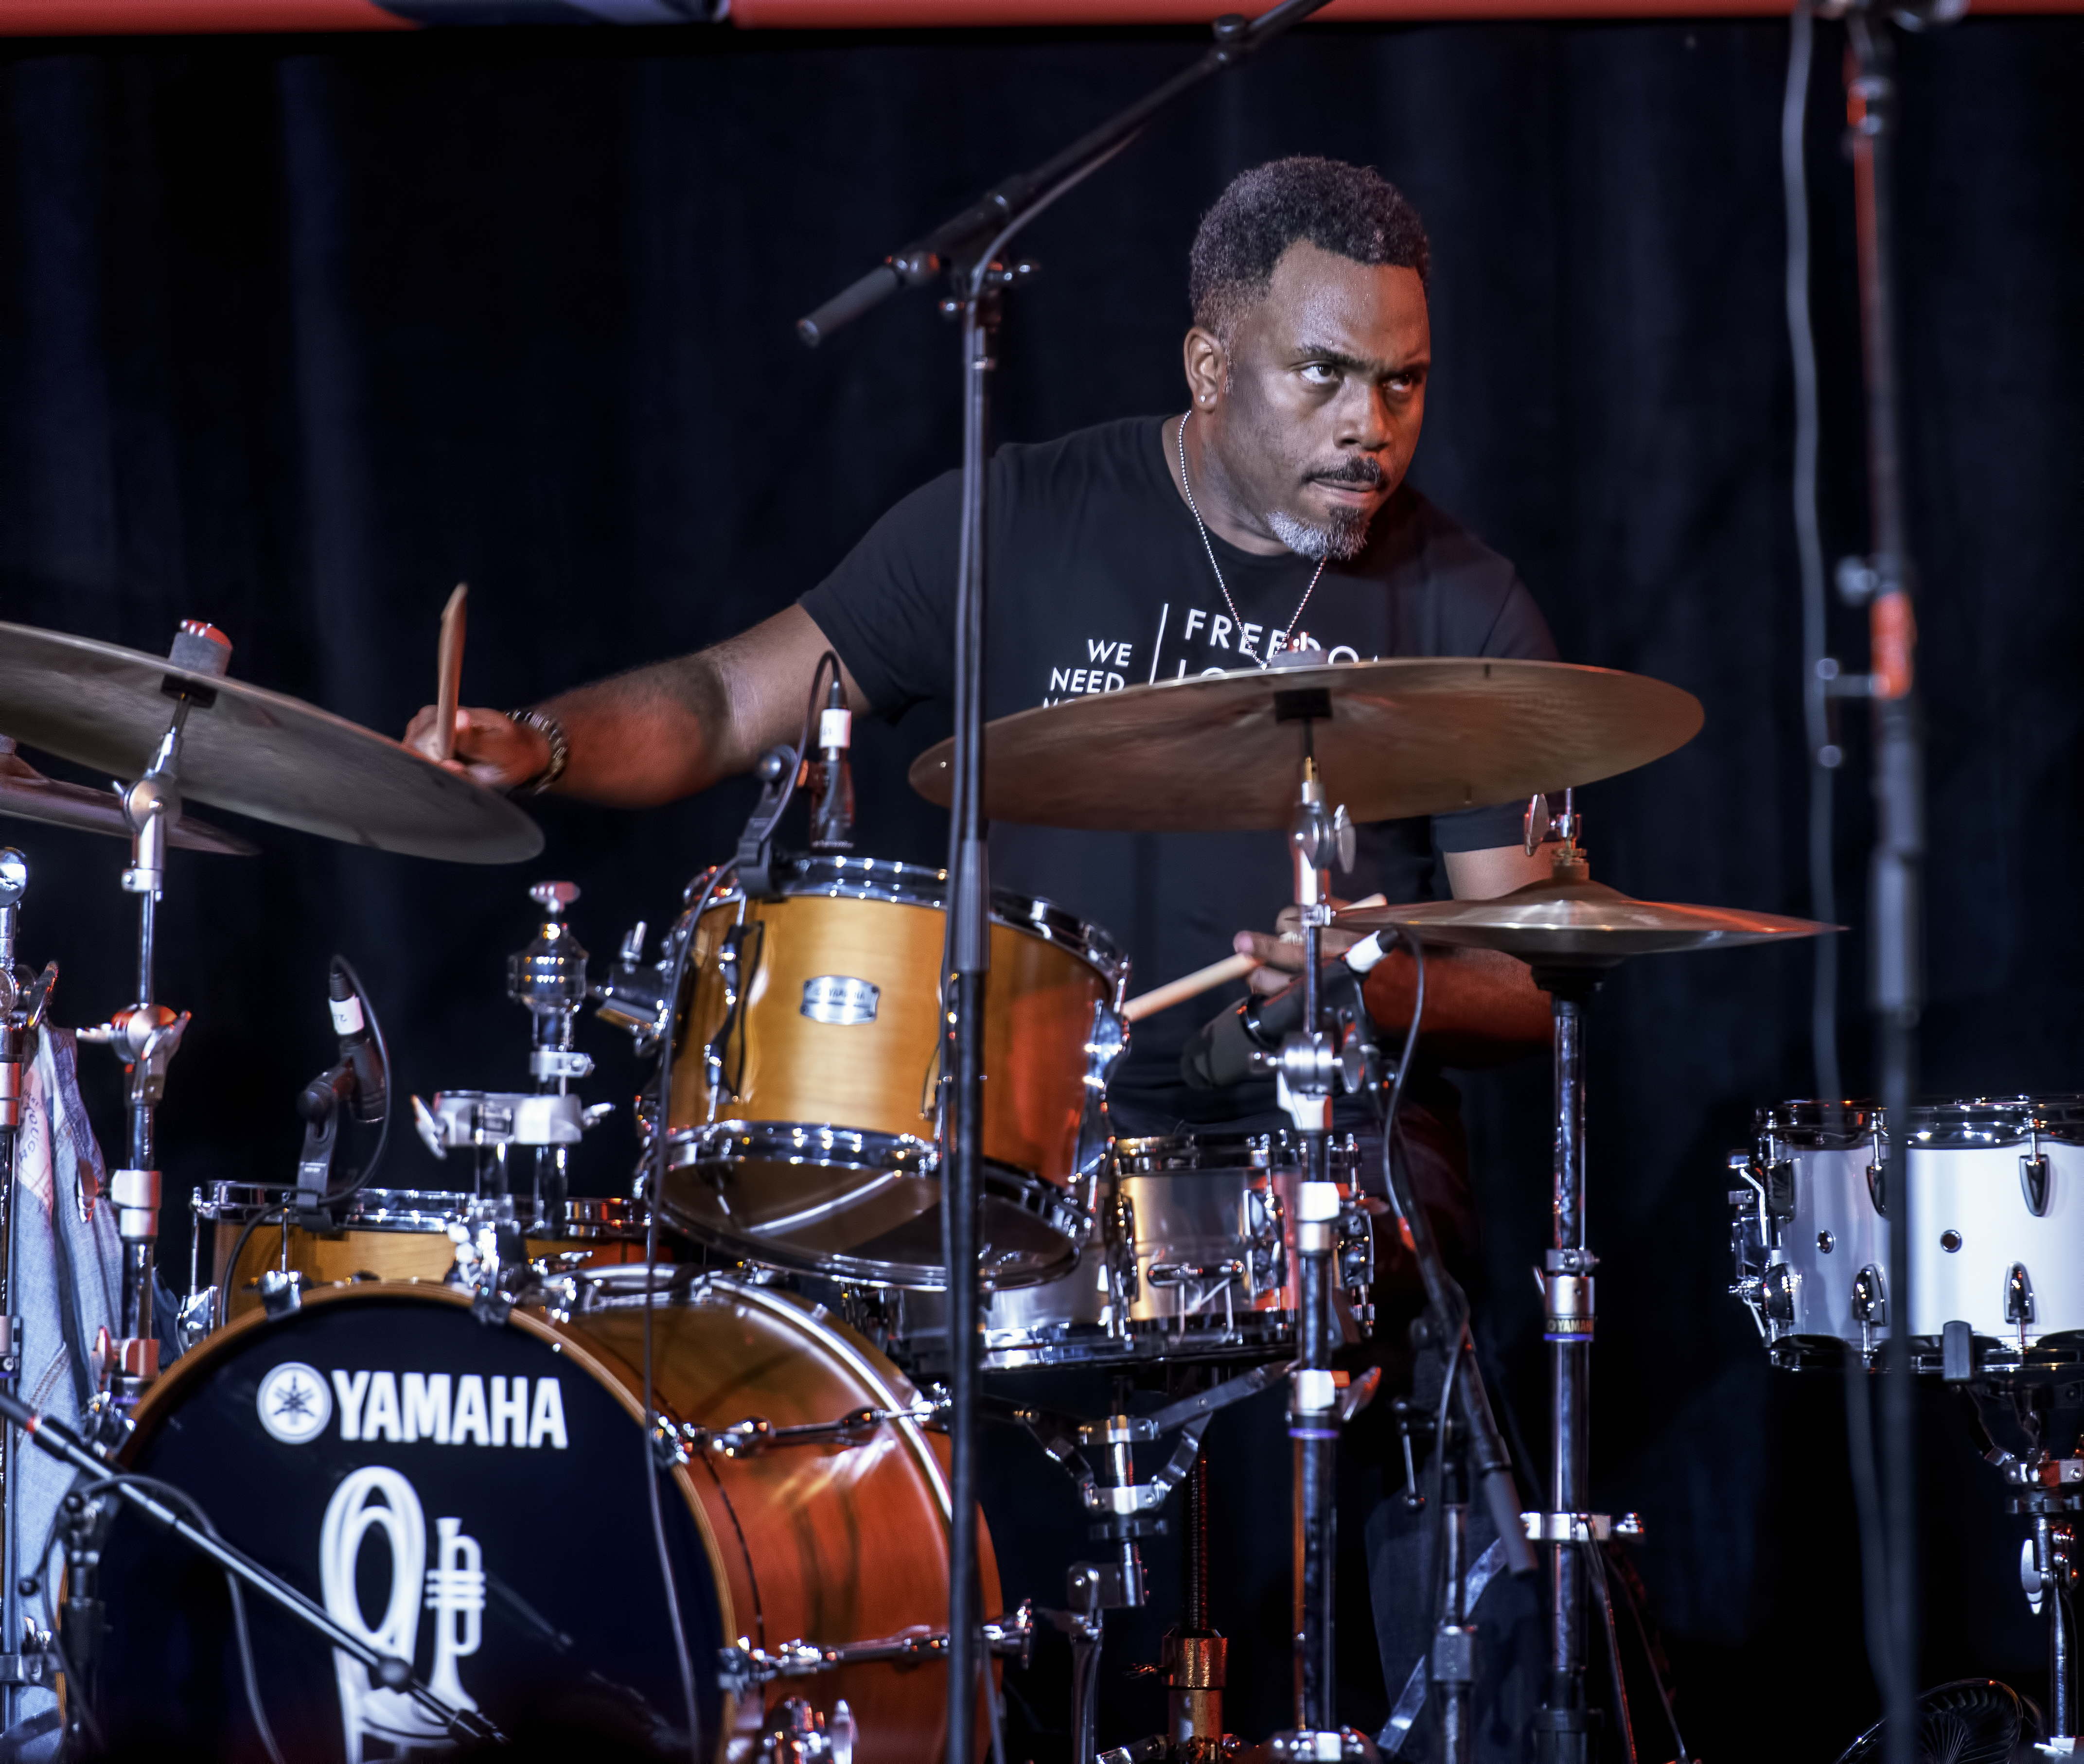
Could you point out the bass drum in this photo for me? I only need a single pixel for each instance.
(471, 1497)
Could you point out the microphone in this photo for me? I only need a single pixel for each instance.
(1224, 1051)
(831, 776)
(358, 1050)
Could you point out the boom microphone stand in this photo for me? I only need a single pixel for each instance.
(461, 1725)
(967, 247)
(1884, 581)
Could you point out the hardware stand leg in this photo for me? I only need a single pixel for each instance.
(1564, 1724)
(1454, 1664)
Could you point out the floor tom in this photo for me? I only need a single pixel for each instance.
(1996, 1193)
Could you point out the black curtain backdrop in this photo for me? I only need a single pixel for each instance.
(293, 336)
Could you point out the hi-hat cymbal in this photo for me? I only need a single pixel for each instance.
(254, 752)
(1416, 736)
(1579, 923)
(27, 792)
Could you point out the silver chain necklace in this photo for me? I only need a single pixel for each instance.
(1217, 568)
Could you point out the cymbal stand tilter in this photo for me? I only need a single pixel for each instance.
(21, 1006)
(146, 1035)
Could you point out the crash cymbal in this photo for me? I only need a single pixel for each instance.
(246, 749)
(1416, 736)
(25, 792)
(1582, 923)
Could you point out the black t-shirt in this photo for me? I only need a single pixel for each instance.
(1100, 580)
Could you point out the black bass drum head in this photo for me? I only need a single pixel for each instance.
(467, 1495)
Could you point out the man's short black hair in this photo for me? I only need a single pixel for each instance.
(1353, 210)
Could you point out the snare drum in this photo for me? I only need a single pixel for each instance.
(385, 1235)
(805, 1078)
(1997, 1194)
(1196, 1262)
(472, 1498)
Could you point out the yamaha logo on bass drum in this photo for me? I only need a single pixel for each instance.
(296, 1403)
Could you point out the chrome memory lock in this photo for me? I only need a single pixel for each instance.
(136, 1194)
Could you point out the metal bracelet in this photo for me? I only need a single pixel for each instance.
(560, 749)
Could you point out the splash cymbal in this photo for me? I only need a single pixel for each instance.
(1405, 736)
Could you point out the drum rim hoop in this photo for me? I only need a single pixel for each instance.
(1032, 1194)
(843, 877)
(1258, 1148)
(599, 1214)
(1940, 1123)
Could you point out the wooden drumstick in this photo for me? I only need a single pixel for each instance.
(448, 685)
(1159, 998)
(1231, 967)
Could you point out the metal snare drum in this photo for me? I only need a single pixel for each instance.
(1997, 1193)
(801, 1127)
(1196, 1261)
(383, 1234)
(413, 1468)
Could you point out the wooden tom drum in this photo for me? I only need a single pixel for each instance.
(805, 1076)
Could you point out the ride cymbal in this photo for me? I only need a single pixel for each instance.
(254, 752)
(1406, 737)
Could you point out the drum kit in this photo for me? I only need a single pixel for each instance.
(763, 1316)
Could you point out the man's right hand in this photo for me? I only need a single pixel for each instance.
(491, 748)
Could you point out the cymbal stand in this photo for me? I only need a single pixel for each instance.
(549, 978)
(146, 1035)
(21, 1013)
(1564, 1725)
(2032, 1442)
(1310, 1068)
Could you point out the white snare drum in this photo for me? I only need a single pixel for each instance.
(1997, 1194)
(1196, 1260)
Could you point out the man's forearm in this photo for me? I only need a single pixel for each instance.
(676, 727)
(1482, 1009)
(649, 736)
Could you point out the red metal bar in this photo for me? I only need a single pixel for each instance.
(153, 17)
(884, 15)
(150, 17)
